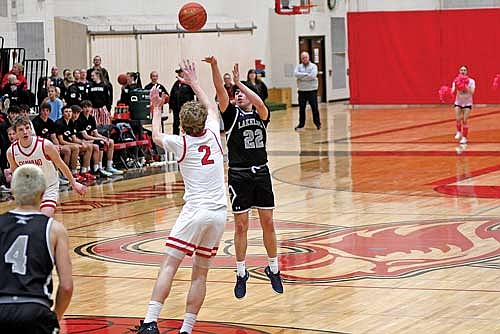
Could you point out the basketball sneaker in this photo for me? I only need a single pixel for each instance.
(240, 289)
(114, 171)
(78, 177)
(147, 328)
(104, 172)
(88, 176)
(463, 140)
(458, 135)
(275, 279)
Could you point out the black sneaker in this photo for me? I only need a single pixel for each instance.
(275, 279)
(147, 328)
(240, 289)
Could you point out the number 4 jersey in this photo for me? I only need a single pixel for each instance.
(26, 257)
(246, 137)
(202, 166)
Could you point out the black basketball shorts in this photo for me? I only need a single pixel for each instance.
(30, 318)
(99, 143)
(250, 188)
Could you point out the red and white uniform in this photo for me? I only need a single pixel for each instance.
(35, 155)
(464, 99)
(199, 227)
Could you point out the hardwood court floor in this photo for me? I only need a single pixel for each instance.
(385, 223)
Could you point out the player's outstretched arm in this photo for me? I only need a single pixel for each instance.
(252, 97)
(218, 83)
(191, 79)
(62, 259)
(157, 102)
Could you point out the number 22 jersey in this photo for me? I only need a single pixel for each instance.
(246, 137)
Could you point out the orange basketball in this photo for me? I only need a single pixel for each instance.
(192, 16)
(122, 79)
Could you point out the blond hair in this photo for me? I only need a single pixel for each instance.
(28, 184)
(193, 116)
(20, 120)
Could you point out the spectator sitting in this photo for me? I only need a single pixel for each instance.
(66, 135)
(86, 128)
(16, 94)
(45, 128)
(17, 70)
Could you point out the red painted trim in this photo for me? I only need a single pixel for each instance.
(184, 151)
(418, 126)
(462, 177)
(47, 205)
(182, 242)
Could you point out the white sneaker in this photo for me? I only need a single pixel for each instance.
(463, 140)
(4, 189)
(114, 171)
(105, 173)
(458, 135)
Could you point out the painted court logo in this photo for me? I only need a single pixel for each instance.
(316, 253)
(393, 250)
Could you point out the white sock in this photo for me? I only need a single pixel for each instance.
(84, 170)
(240, 268)
(188, 324)
(154, 310)
(273, 264)
(100, 165)
(74, 171)
(110, 164)
(96, 168)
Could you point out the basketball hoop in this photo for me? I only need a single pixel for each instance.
(291, 7)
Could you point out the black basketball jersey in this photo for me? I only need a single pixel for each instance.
(246, 137)
(26, 259)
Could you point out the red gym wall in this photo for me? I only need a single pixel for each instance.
(404, 57)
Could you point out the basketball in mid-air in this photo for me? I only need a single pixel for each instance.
(192, 16)
(122, 79)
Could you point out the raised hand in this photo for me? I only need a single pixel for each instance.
(236, 73)
(154, 97)
(189, 71)
(210, 59)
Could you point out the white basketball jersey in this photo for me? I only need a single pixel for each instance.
(35, 155)
(202, 166)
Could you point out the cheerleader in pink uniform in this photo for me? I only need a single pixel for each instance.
(464, 87)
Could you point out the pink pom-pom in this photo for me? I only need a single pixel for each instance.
(461, 82)
(496, 82)
(445, 94)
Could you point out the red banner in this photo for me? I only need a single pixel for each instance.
(405, 57)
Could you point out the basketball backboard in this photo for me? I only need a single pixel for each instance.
(292, 7)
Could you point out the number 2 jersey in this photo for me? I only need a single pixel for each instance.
(246, 137)
(202, 166)
(26, 255)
